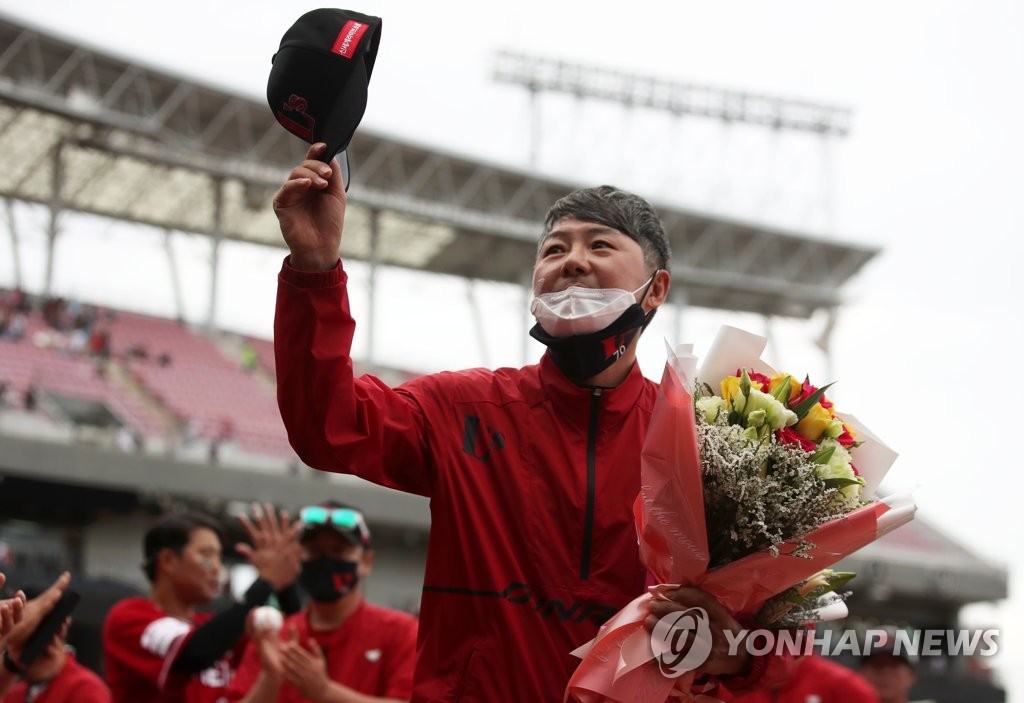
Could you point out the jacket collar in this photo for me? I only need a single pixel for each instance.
(573, 402)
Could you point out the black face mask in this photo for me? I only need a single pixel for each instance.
(583, 356)
(328, 580)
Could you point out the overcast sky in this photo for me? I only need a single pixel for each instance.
(924, 349)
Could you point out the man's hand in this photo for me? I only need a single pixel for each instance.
(268, 648)
(275, 550)
(11, 610)
(305, 668)
(720, 620)
(33, 613)
(310, 208)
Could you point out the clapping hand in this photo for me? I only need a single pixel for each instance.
(275, 551)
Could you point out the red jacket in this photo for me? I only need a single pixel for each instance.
(140, 644)
(373, 652)
(74, 684)
(531, 481)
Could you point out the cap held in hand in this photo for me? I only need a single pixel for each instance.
(318, 83)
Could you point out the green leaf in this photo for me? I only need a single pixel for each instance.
(823, 455)
(805, 406)
(840, 579)
(842, 482)
(834, 582)
(781, 393)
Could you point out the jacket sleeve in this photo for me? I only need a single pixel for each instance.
(337, 422)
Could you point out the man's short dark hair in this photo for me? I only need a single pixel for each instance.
(626, 212)
(173, 532)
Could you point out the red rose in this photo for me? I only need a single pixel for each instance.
(787, 435)
(846, 439)
(805, 393)
(755, 376)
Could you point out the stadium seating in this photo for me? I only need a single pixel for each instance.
(196, 383)
(24, 365)
(200, 383)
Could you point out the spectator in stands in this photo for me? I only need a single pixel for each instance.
(57, 677)
(164, 360)
(225, 433)
(78, 341)
(249, 358)
(19, 618)
(128, 440)
(339, 646)
(191, 430)
(30, 399)
(159, 649)
(891, 672)
(531, 472)
(99, 343)
(16, 325)
(814, 678)
(137, 351)
(51, 312)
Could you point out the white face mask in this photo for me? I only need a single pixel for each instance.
(578, 310)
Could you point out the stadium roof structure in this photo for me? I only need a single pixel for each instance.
(83, 130)
(920, 560)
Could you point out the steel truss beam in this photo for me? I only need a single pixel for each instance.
(182, 147)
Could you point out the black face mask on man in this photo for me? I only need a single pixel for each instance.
(327, 580)
(587, 353)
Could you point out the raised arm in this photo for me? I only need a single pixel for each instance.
(335, 422)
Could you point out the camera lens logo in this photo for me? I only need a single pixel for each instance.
(681, 641)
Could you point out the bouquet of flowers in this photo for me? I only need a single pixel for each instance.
(752, 484)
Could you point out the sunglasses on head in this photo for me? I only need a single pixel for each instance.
(344, 518)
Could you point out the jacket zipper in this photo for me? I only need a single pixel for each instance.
(588, 518)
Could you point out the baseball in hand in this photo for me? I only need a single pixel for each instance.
(267, 618)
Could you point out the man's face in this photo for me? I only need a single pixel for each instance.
(196, 572)
(588, 254)
(891, 676)
(325, 542)
(52, 661)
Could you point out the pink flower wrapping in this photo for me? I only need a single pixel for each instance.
(620, 664)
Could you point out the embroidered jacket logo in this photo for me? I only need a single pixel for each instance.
(478, 442)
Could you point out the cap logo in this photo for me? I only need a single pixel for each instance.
(302, 124)
(348, 38)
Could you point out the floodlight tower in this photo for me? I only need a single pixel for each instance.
(538, 75)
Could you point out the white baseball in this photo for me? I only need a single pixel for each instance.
(267, 618)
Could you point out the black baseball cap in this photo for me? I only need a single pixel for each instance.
(888, 649)
(318, 84)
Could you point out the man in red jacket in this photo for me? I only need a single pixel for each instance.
(57, 677)
(339, 648)
(161, 649)
(531, 472)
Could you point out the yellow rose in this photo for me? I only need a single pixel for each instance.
(731, 386)
(815, 422)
